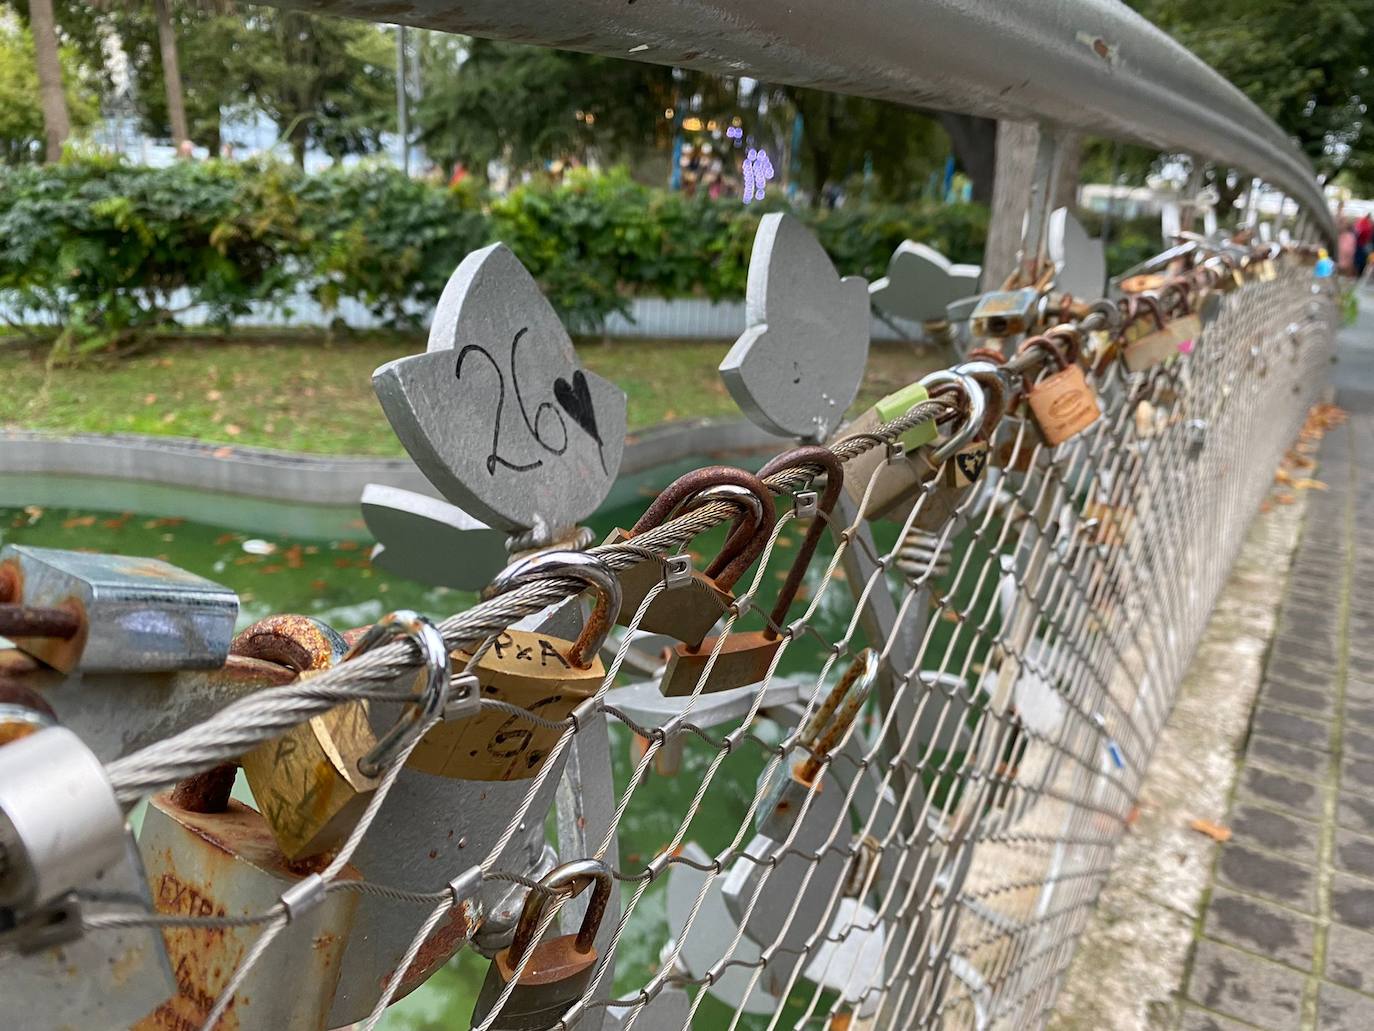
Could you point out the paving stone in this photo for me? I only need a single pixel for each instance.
(1291, 758)
(1355, 811)
(1339, 1009)
(1359, 712)
(1260, 927)
(1359, 742)
(1357, 773)
(1273, 877)
(1355, 854)
(1302, 730)
(1298, 672)
(1247, 987)
(1275, 831)
(1352, 902)
(1281, 790)
(1314, 701)
(1308, 622)
(1201, 1020)
(1316, 650)
(1359, 690)
(1350, 957)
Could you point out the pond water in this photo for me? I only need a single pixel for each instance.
(321, 568)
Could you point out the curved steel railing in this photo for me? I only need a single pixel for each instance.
(1093, 65)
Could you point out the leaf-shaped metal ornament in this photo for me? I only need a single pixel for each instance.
(497, 412)
(424, 539)
(1080, 260)
(797, 367)
(921, 282)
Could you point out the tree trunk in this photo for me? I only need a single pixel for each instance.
(57, 125)
(171, 73)
(974, 141)
(1070, 159)
(1016, 147)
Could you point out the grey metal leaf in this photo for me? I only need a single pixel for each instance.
(921, 282)
(797, 367)
(497, 413)
(1080, 260)
(430, 541)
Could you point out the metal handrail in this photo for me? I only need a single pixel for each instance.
(1091, 65)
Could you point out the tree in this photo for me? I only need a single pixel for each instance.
(171, 71)
(21, 119)
(48, 67)
(485, 100)
(1307, 65)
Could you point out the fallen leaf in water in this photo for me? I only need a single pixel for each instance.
(347, 545)
(225, 538)
(318, 585)
(34, 512)
(75, 521)
(1213, 830)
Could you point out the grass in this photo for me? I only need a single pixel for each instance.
(305, 392)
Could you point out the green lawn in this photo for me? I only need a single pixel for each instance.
(307, 393)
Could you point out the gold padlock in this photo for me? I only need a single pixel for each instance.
(1146, 340)
(306, 782)
(541, 673)
(688, 612)
(744, 658)
(1062, 403)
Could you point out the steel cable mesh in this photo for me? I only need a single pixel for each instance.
(940, 869)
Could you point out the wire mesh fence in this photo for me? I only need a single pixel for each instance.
(887, 802)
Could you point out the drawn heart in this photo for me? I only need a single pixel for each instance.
(971, 463)
(576, 399)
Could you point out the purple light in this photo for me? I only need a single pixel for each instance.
(734, 132)
(757, 171)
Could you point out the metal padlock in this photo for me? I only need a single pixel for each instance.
(688, 612)
(786, 791)
(1146, 339)
(122, 614)
(545, 674)
(744, 658)
(896, 479)
(1062, 403)
(1005, 313)
(69, 858)
(208, 855)
(949, 469)
(307, 783)
(556, 972)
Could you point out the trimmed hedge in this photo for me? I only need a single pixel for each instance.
(102, 250)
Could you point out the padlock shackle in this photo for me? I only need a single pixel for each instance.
(744, 528)
(839, 710)
(432, 683)
(807, 455)
(574, 565)
(748, 537)
(566, 881)
(992, 378)
(977, 410)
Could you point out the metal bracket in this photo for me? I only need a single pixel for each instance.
(806, 505)
(896, 451)
(464, 697)
(677, 571)
(56, 923)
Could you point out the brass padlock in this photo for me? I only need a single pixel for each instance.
(209, 856)
(544, 674)
(745, 657)
(1146, 339)
(555, 972)
(1062, 403)
(688, 612)
(306, 782)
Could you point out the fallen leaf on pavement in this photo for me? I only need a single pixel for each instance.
(1213, 830)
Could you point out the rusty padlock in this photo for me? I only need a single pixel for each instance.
(1146, 339)
(744, 657)
(556, 972)
(688, 612)
(209, 856)
(787, 789)
(306, 782)
(544, 674)
(1062, 403)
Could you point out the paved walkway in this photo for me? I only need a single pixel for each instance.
(1286, 939)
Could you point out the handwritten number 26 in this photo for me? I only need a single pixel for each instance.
(533, 426)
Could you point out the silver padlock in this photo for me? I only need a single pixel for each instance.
(1005, 313)
(207, 855)
(125, 614)
(556, 972)
(68, 858)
